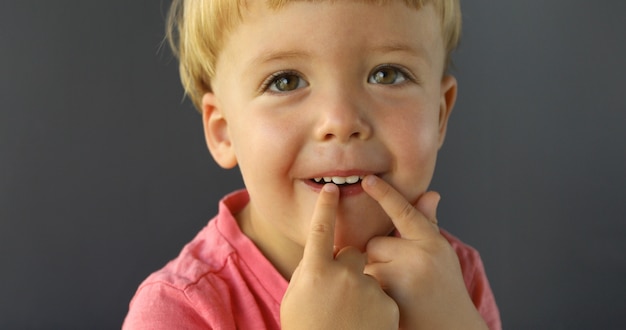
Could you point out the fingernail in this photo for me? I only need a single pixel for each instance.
(329, 187)
(370, 180)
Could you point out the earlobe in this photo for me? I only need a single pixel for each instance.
(446, 103)
(216, 132)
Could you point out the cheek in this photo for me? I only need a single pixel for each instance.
(264, 142)
(267, 150)
(414, 139)
(415, 146)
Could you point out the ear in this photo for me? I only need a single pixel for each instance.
(446, 103)
(216, 132)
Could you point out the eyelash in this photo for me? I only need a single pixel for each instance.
(274, 77)
(402, 70)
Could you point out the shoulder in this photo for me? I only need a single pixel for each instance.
(190, 291)
(199, 288)
(161, 305)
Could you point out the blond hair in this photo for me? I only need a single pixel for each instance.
(196, 30)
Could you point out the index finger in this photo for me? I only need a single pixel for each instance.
(408, 220)
(321, 238)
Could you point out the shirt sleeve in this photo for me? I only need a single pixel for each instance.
(161, 306)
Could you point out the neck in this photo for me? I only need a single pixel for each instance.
(284, 254)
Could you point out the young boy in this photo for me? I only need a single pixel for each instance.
(334, 112)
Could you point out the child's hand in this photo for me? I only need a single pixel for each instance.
(332, 292)
(420, 271)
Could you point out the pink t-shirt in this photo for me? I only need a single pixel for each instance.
(221, 280)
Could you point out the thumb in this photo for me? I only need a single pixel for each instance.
(427, 205)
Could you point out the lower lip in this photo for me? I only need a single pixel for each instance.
(345, 190)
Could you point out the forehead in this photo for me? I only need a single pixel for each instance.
(280, 3)
(320, 24)
(247, 7)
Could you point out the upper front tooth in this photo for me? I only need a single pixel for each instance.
(339, 179)
(352, 179)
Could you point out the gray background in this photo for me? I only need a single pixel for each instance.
(104, 174)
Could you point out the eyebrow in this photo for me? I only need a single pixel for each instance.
(272, 56)
(394, 47)
(281, 55)
(398, 48)
(421, 54)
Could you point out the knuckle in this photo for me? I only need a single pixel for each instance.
(407, 211)
(320, 228)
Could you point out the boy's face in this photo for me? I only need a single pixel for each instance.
(324, 89)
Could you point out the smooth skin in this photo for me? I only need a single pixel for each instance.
(286, 109)
(342, 88)
(331, 291)
(419, 270)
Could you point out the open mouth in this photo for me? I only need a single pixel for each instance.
(339, 180)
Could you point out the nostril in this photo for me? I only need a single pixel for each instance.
(343, 126)
(355, 135)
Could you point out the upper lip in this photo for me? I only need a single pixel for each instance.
(343, 174)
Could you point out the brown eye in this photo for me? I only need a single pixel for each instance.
(387, 75)
(285, 82)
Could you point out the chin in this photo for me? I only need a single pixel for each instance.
(356, 231)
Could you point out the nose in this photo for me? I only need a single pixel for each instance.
(342, 118)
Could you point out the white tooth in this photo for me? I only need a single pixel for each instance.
(328, 179)
(339, 180)
(352, 179)
(317, 179)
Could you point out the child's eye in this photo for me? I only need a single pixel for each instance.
(388, 75)
(282, 82)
